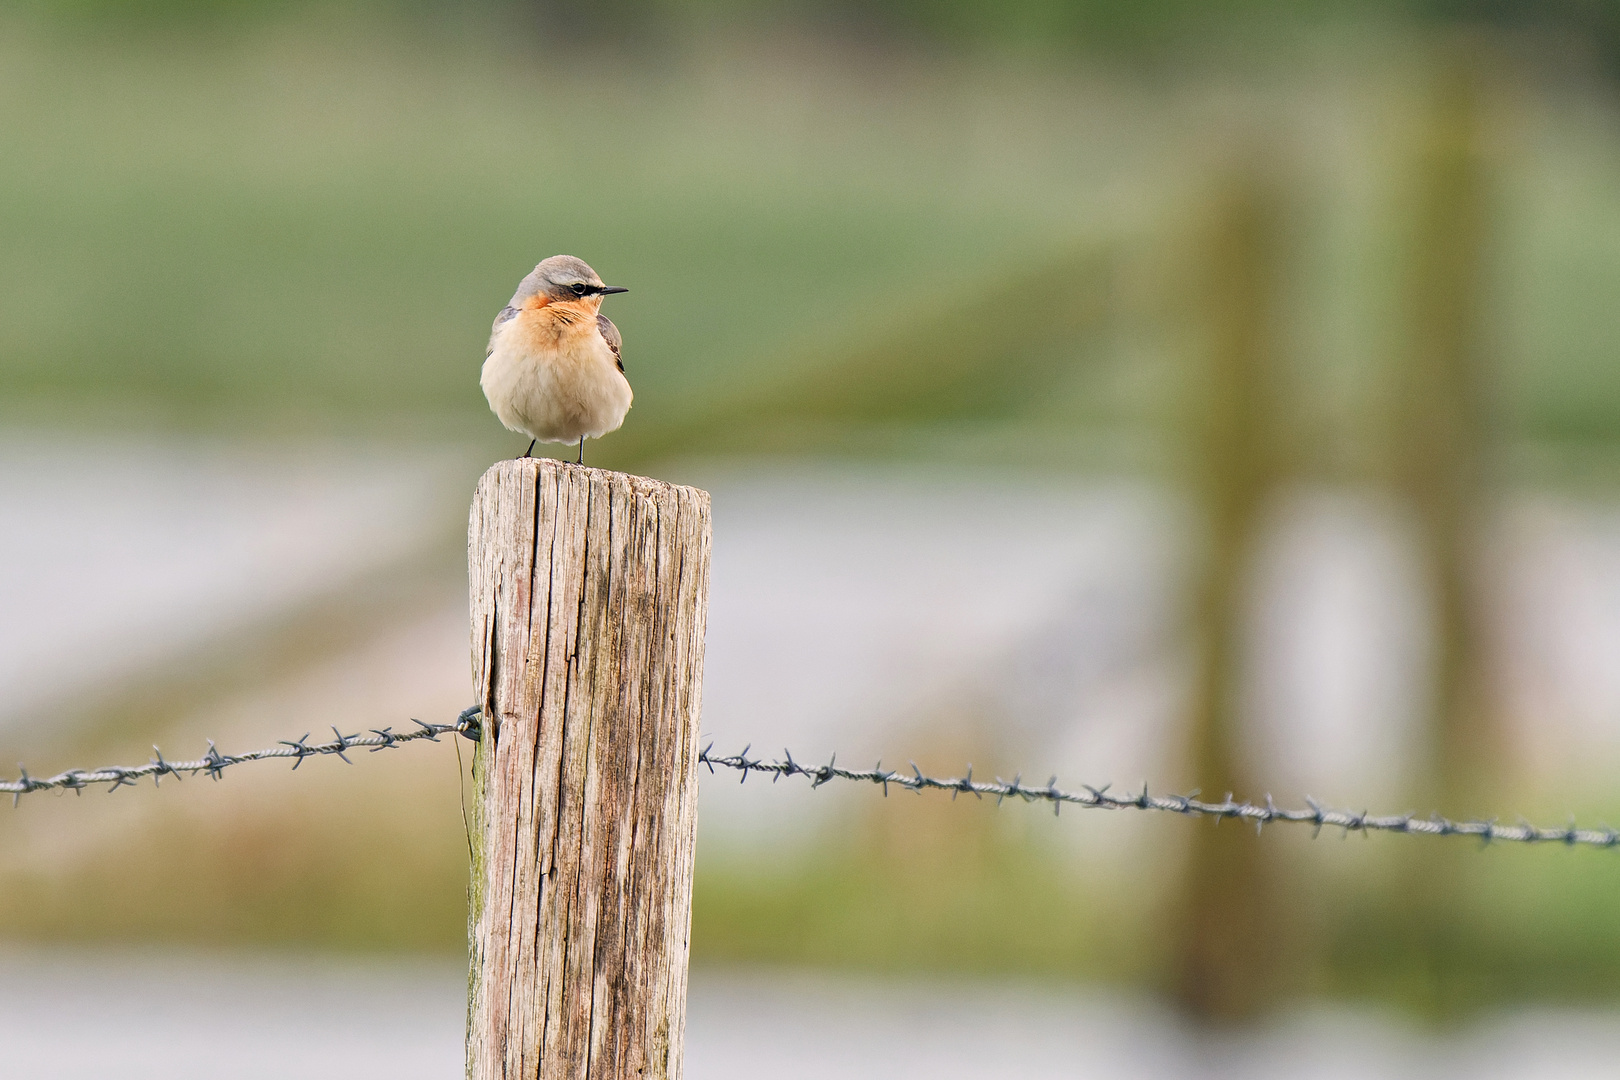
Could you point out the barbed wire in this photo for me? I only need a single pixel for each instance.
(215, 763)
(1095, 798)
(469, 724)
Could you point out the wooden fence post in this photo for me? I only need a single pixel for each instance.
(589, 593)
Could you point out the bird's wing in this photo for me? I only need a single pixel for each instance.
(610, 334)
(508, 313)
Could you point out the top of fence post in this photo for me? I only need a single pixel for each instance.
(589, 592)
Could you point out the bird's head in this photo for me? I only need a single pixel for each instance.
(565, 278)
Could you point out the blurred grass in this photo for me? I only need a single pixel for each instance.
(1018, 910)
(305, 225)
(313, 227)
(904, 885)
(344, 874)
(1525, 925)
(964, 888)
(1025, 344)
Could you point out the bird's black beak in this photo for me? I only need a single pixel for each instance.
(605, 289)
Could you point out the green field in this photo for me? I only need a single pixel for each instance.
(312, 227)
(306, 226)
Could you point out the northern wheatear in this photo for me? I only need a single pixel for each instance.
(553, 370)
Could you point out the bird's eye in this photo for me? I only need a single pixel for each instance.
(578, 287)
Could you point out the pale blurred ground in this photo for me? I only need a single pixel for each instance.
(868, 610)
(121, 553)
(75, 1015)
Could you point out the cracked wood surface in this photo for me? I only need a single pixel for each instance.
(589, 591)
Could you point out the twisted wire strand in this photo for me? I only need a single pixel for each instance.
(215, 763)
(1095, 798)
(469, 724)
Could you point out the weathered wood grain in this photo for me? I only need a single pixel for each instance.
(589, 592)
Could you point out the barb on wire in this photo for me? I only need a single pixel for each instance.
(214, 763)
(469, 723)
(1100, 799)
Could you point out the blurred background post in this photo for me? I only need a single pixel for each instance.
(1443, 446)
(1445, 464)
(1233, 932)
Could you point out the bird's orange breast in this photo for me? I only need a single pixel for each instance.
(546, 325)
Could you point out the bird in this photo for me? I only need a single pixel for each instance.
(553, 369)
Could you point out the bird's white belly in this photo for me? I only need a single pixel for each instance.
(556, 395)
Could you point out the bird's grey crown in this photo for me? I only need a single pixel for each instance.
(553, 276)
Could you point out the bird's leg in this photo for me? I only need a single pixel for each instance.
(581, 460)
(530, 450)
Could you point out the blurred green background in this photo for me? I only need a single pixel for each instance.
(1227, 248)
